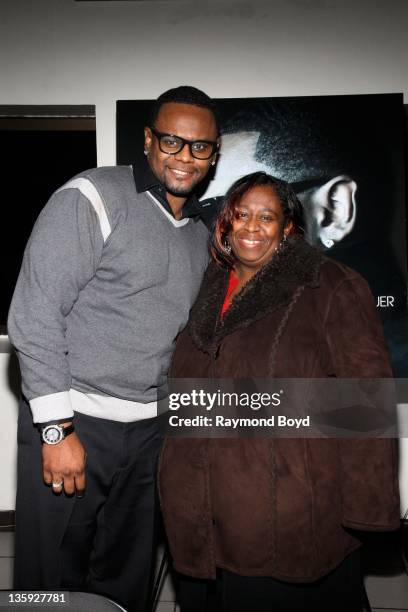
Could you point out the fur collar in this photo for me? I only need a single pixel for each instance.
(298, 264)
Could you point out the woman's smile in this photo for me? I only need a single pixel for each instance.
(250, 242)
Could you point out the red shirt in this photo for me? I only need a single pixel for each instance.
(233, 282)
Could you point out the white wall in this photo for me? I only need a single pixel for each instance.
(9, 383)
(67, 52)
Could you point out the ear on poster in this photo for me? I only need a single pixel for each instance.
(330, 210)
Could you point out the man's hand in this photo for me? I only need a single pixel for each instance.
(65, 463)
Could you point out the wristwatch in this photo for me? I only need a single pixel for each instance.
(54, 433)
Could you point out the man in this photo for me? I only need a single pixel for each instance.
(110, 272)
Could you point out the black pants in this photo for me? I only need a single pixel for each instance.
(104, 542)
(339, 591)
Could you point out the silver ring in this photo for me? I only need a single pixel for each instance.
(57, 485)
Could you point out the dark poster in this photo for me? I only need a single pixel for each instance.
(345, 157)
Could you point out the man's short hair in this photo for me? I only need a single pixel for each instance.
(185, 94)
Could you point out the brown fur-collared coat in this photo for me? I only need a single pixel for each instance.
(284, 508)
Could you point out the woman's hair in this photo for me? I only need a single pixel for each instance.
(291, 208)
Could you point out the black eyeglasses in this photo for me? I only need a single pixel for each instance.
(171, 144)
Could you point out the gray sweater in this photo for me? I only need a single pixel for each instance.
(107, 282)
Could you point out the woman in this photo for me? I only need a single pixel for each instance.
(261, 524)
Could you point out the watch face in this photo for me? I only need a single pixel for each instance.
(52, 434)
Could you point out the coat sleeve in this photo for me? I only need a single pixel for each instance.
(61, 257)
(368, 466)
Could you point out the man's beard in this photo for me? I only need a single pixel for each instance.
(180, 191)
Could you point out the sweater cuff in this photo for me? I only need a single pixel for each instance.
(51, 407)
